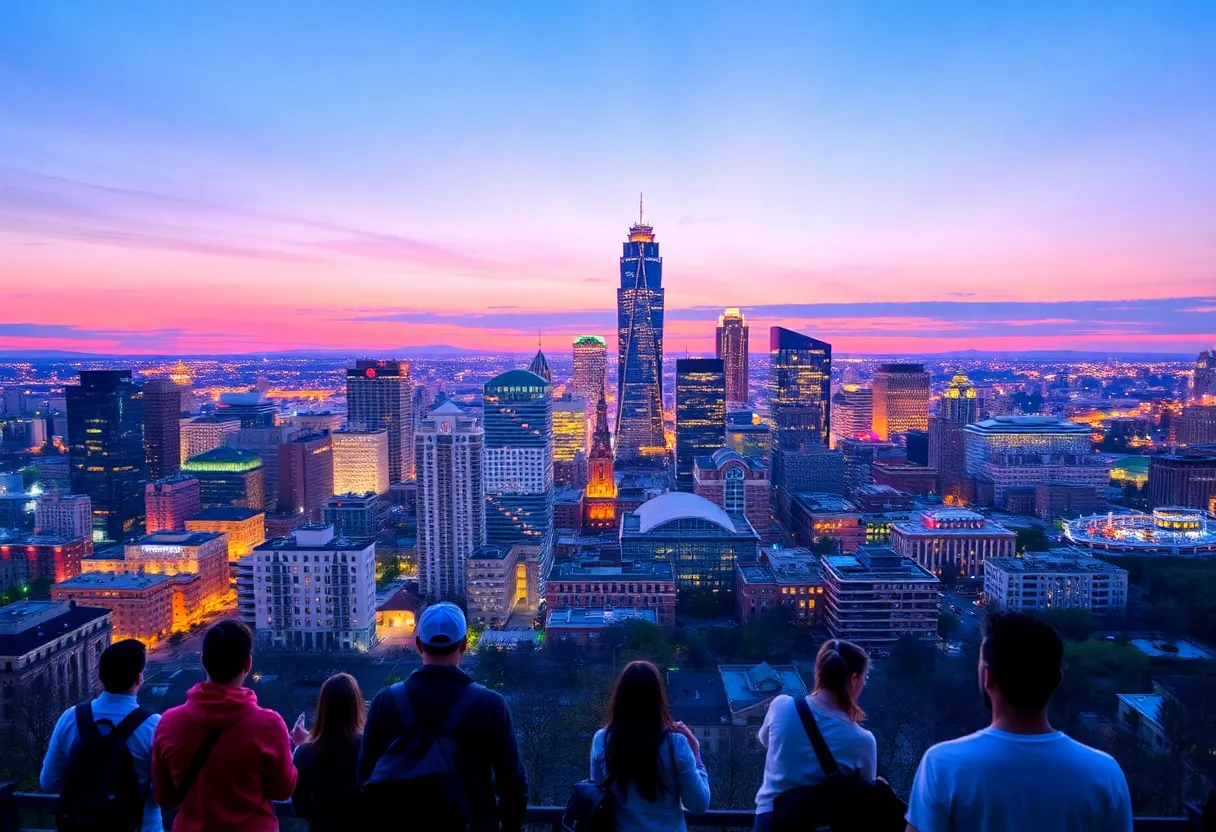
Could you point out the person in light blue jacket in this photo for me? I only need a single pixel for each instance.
(652, 763)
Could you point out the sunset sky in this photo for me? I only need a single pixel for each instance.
(897, 176)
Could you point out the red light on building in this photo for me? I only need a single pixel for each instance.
(369, 372)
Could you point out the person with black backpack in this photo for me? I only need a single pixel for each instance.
(99, 757)
(820, 770)
(440, 748)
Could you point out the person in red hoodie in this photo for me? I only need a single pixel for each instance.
(220, 757)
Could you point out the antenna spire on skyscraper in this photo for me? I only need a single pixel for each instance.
(641, 213)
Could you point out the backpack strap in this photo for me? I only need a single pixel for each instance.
(404, 709)
(86, 726)
(460, 709)
(196, 765)
(130, 724)
(826, 761)
(675, 772)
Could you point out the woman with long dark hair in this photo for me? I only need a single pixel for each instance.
(327, 792)
(652, 763)
(790, 761)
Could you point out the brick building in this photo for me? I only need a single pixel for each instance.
(640, 584)
(739, 484)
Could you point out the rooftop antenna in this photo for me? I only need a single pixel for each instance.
(640, 212)
(538, 339)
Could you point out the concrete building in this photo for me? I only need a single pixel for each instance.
(354, 515)
(701, 541)
(815, 517)
(732, 350)
(570, 441)
(852, 413)
(739, 485)
(250, 408)
(1056, 500)
(169, 501)
(145, 607)
(198, 559)
(590, 366)
(955, 536)
(451, 506)
(1140, 715)
(791, 578)
(379, 396)
(584, 628)
(1019, 452)
(498, 583)
(321, 422)
(199, 434)
(227, 476)
(747, 435)
(900, 399)
(905, 476)
(70, 515)
(49, 652)
(857, 456)
(306, 475)
(360, 462)
(265, 442)
(315, 591)
(162, 427)
(1060, 579)
(875, 596)
(245, 527)
(639, 584)
(1186, 479)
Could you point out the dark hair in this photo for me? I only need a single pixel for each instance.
(1024, 657)
(339, 715)
(442, 649)
(226, 648)
(838, 662)
(639, 719)
(120, 665)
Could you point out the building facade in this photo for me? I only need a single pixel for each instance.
(227, 476)
(41, 557)
(590, 367)
(584, 627)
(875, 596)
(249, 408)
(739, 485)
(700, 540)
(353, 515)
(502, 579)
(245, 527)
(379, 396)
(960, 404)
(199, 559)
(570, 441)
(639, 584)
(1186, 479)
(1053, 581)
(265, 442)
(315, 591)
(451, 506)
(732, 351)
(199, 434)
(70, 515)
(852, 413)
(169, 501)
(106, 450)
(162, 435)
(1057, 500)
(1019, 452)
(953, 536)
(901, 399)
(360, 462)
(817, 517)
(791, 578)
(640, 436)
(700, 414)
(1203, 383)
(142, 606)
(306, 475)
(600, 503)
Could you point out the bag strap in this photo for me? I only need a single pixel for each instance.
(196, 765)
(460, 709)
(404, 710)
(675, 772)
(130, 724)
(86, 726)
(826, 761)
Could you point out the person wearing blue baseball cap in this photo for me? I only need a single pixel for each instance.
(441, 745)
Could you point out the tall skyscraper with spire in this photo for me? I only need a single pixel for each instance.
(732, 349)
(639, 416)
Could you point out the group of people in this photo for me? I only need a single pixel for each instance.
(438, 751)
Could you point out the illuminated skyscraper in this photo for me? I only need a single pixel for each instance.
(306, 475)
(1204, 383)
(451, 508)
(162, 427)
(360, 461)
(251, 409)
(590, 363)
(901, 399)
(639, 403)
(169, 502)
(379, 397)
(205, 433)
(540, 366)
(227, 476)
(518, 459)
(852, 412)
(959, 402)
(106, 442)
(700, 414)
(732, 349)
(800, 376)
(570, 441)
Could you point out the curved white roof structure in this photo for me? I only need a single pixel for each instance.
(680, 505)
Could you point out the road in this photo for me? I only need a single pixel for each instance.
(971, 616)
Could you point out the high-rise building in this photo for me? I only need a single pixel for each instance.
(1195, 425)
(857, 457)
(265, 442)
(570, 441)
(1185, 479)
(170, 501)
(250, 409)
(517, 415)
(70, 515)
(162, 434)
(640, 436)
(331, 608)
(360, 461)
(379, 396)
(306, 475)
(320, 422)
(852, 413)
(960, 404)
(901, 399)
(800, 376)
(748, 435)
(1020, 452)
(947, 447)
(106, 449)
(451, 508)
(227, 476)
(200, 434)
(700, 414)
(540, 366)
(590, 364)
(732, 349)
(600, 501)
(1204, 382)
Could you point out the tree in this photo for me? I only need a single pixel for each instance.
(947, 625)
(1071, 624)
(1032, 539)
(950, 573)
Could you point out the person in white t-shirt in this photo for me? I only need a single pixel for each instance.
(1019, 773)
(840, 677)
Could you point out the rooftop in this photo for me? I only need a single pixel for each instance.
(9, 538)
(230, 514)
(1148, 705)
(569, 570)
(596, 617)
(222, 459)
(1051, 425)
(175, 538)
(819, 501)
(105, 580)
(877, 563)
(679, 505)
(749, 685)
(1059, 561)
(17, 638)
(698, 697)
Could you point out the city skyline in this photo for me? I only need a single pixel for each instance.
(983, 179)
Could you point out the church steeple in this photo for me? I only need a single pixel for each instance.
(601, 477)
(601, 441)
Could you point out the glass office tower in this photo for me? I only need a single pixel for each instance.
(700, 413)
(639, 416)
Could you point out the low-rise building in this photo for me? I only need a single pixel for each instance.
(1054, 500)
(148, 608)
(815, 517)
(739, 484)
(169, 501)
(54, 557)
(354, 515)
(1140, 715)
(245, 527)
(1059, 579)
(725, 707)
(639, 584)
(786, 577)
(877, 498)
(585, 627)
(178, 554)
(905, 476)
(953, 536)
(498, 582)
(875, 595)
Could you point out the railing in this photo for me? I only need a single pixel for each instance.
(17, 807)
